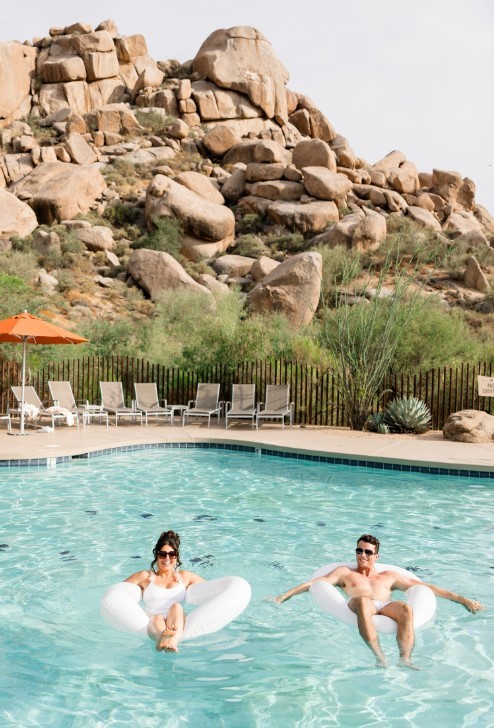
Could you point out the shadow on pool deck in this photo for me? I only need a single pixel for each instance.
(430, 449)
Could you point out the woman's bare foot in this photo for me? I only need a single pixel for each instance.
(163, 640)
(406, 662)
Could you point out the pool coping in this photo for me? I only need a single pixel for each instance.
(433, 456)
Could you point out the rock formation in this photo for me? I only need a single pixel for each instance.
(255, 145)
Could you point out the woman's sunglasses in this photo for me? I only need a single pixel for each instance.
(165, 554)
(367, 552)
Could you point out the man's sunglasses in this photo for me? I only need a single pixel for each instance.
(367, 552)
(169, 554)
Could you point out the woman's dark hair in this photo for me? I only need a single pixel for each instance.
(167, 538)
(367, 538)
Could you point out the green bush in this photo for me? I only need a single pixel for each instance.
(251, 224)
(154, 121)
(340, 266)
(166, 237)
(22, 265)
(250, 245)
(286, 242)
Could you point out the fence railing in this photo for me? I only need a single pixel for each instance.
(314, 390)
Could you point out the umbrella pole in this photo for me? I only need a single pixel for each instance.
(23, 382)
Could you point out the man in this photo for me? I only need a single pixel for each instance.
(370, 594)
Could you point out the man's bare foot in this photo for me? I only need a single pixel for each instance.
(406, 662)
(382, 662)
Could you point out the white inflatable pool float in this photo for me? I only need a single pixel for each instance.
(218, 602)
(330, 600)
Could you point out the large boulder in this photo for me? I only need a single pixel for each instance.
(198, 217)
(469, 426)
(158, 272)
(293, 289)
(309, 219)
(201, 185)
(474, 276)
(324, 184)
(17, 67)
(58, 191)
(242, 59)
(314, 153)
(16, 217)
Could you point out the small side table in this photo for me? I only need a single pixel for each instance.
(7, 419)
(92, 412)
(177, 408)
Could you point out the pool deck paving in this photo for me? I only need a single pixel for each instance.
(429, 450)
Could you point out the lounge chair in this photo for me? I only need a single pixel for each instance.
(35, 410)
(62, 396)
(277, 405)
(6, 418)
(243, 404)
(113, 402)
(148, 403)
(205, 404)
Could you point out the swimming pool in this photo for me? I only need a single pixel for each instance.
(67, 533)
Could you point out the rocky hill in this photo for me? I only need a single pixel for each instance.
(120, 171)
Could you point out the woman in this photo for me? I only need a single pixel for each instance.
(163, 589)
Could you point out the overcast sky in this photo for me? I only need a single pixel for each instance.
(388, 74)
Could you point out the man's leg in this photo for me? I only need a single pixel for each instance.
(402, 613)
(364, 609)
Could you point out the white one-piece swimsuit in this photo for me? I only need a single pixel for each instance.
(158, 599)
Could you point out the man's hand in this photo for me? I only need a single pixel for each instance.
(472, 605)
(278, 599)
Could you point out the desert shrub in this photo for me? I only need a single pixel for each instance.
(340, 266)
(192, 331)
(165, 236)
(436, 338)
(457, 253)
(251, 224)
(286, 242)
(107, 337)
(121, 173)
(22, 245)
(21, 265)
(407, 241)
(154, 121)
(66, 281)
(250, 245)
(120, 215)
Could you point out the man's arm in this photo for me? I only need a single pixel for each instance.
(402, 583)
(333, 577)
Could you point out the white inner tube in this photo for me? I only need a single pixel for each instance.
(217, 602)
(330, 600)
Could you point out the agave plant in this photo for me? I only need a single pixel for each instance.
(375, 423)
(407, 414)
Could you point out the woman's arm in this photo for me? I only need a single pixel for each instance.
(190, 578)
(141, 578)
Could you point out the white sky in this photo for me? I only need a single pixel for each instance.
(388, 74)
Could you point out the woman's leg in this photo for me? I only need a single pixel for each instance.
(173, 630)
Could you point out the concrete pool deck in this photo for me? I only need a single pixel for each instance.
(430, 450)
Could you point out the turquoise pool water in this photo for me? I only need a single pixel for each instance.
(67, 533)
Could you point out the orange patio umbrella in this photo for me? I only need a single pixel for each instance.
(28, 329)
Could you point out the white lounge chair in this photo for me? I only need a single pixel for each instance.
(113, 402)
(243, 404)
(35, 410)
(148, 403)
(62, 396)
(205, 404)
(277, 405)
